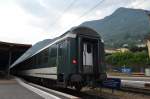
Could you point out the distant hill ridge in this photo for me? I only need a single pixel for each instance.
(125, 26)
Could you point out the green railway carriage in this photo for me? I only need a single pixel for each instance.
(75, 58)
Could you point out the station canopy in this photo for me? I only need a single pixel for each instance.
(10, 52)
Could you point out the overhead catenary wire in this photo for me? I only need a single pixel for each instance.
(87, 12)
(63, 12)
(91, 9)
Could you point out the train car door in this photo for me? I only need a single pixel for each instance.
(62, 55)
(87, 57)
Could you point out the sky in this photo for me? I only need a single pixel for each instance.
(30, 21)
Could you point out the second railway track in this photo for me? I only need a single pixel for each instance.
(136, 90)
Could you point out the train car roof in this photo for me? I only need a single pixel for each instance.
(85, 31)
(38, 47)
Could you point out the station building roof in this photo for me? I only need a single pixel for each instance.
(9, 52)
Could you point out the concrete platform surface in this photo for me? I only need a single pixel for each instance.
(10, 89)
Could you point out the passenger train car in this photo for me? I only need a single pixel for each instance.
(74, 59)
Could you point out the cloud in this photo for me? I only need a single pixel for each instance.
(140, 4)
(33, 7)
(15, 25)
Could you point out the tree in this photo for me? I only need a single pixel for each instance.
(130, 59)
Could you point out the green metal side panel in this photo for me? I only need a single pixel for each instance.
(73, 55)
(66, 53)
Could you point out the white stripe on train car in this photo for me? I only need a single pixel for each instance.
(43, 94)
(50, 72)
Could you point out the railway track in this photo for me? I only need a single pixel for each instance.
(72, 92)
(92, 93)
(83, 94)
(144, 91)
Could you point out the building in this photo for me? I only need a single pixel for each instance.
(111, 51)
(148, 45)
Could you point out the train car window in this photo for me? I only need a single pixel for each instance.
(38, 59)
(53, 55)
(60, 50)
(53, 51)
(89, 48)
(45, 56)
(30, 61)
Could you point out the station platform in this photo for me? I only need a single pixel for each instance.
(11, 89)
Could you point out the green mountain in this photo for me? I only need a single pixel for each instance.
(124, 27)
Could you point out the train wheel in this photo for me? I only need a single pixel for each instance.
(78, 87)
